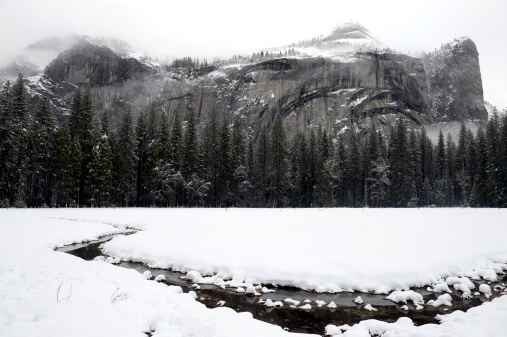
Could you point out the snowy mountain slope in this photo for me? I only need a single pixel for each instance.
(341, 43)
(343, 81)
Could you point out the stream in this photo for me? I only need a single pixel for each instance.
(295, 319)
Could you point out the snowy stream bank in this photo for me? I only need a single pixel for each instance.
(455, 253)
(303, 311)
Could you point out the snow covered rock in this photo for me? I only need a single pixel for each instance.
(147, 275)
(266, 290)
(486, 290)
(358, 300)
(369, 307)
(291, 301)
(194, 276)
(306, 307)
(444, 299)
(270, 303)
(404, 296)
(332, 305)
(251, 291)
(160, 278)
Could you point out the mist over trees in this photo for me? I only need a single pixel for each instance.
(150, 162)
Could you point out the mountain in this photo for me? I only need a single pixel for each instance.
(343, 81)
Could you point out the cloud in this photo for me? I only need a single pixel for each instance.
(224, 27)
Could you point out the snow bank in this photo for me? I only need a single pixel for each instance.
(255, 246)
(404, 296)
(48, 293)
(485, 320)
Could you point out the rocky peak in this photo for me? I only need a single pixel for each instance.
(456, 84)
(354, 33)
(89, 62)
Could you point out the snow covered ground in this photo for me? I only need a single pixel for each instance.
(95, 298)
(325, 250)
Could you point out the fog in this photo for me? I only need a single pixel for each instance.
(223, 28)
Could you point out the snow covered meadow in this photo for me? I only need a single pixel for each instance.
(48, 293)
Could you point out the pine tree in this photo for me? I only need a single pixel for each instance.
(225, 166)
(449, 182)
(6, 143)
(190, 156)
(240, 184)
(142, 146)
(279, 161)
(105, 182)
(177, 141)
(17, 157)
(127, 159)
(481, 176)
(150, 172)
(262, 167)
(440, 157)
(82, 124)
(354, 171)
(75, 172)
(61, 168)
(39, 153)
(104, 123)
(321, 189)
(211, 149)
(92, 182)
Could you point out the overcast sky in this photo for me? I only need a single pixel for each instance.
(223, 28)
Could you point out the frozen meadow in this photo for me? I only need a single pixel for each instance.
(49, 293)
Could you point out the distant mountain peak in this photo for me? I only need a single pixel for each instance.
(353, 32)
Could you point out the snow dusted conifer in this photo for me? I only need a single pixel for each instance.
(127, 159)
(17, 156)
(177, 141)
(190, 157)
(61, 168)
(279, 164)
(105, 181)
(225, 168)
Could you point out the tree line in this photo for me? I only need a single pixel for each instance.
(152, 162)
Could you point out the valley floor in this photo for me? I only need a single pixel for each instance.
(48, 293)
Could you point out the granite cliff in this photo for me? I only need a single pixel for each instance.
(339, 91)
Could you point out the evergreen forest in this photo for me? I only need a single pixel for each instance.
(152, 162)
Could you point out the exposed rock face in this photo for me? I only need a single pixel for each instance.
(456, 85)
(308, 92)
(89, 63)
(339, 93)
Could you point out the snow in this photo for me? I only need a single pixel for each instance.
(369, 307)
(95, 297)
(440, 287)
(226, 244)
(250, 290)
(219, 245)
(306, 307)
(406, 295)
(160, 278)
(444, 299)
(358, 300)
(485, 289)
(291, 301)
(270, 303)
(332, 305)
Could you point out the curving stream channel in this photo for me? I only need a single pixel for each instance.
(299, 320)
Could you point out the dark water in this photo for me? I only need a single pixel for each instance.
(294, 319)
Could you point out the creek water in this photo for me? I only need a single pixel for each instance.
(296, 319)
